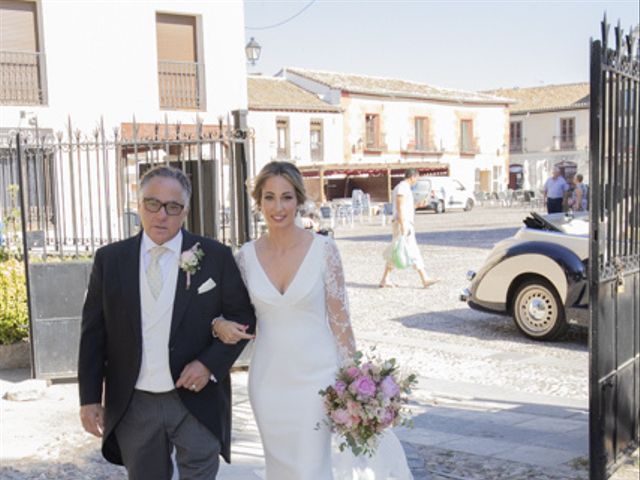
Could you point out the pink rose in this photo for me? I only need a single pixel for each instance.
(353, 372)
(389, 387)
(341, 416)
(388, 417)
(353, 407)
(364, 386)
(188, 256)
(340, 387)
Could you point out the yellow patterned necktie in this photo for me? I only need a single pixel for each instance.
(154, 272)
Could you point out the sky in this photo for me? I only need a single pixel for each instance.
(470, 45)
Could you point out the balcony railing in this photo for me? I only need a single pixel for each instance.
(20, 80)
(469, 146)
(179, 84)
(515, 146)
(564, 142)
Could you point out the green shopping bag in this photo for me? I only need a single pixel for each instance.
(400, 253)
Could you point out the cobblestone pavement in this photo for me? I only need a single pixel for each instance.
(490, 404)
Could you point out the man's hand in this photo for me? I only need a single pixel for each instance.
(194, 376)
(92, 418)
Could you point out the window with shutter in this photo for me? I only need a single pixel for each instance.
(282, 135)
(179, 72)
(20, 57)
(315, 135)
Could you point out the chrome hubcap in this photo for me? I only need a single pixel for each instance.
(537, 309)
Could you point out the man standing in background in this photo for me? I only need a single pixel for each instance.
(554, 190)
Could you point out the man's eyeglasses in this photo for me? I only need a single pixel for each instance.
(153, 205)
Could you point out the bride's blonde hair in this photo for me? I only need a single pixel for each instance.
(288, 171)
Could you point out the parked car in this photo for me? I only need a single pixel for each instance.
(441, 194)
(538, 276)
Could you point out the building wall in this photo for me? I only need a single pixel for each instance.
(541, 151)
(397, 134)
(263, 124)
(101, 59)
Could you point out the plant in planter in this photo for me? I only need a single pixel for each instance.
(14, 315)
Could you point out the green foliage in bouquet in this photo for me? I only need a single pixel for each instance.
(14, 316)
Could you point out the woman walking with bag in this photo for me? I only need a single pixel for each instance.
(403, 251)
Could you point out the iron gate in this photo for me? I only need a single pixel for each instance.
(77, 192)
(614, 277)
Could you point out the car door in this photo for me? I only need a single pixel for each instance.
(421, 192)
(457, 194)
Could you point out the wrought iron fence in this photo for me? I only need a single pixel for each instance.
(80, 189)
(20, 78)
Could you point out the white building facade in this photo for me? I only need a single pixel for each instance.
(290, 123)
(392, 124)
(92, 58)
(549, 127)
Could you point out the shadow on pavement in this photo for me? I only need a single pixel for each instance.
(451, 238)
(14, 375)
(484, 326)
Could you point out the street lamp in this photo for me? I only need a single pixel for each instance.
(252, 49)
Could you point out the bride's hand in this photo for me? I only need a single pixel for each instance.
(230, 332)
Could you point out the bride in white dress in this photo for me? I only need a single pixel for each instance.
(296, 284)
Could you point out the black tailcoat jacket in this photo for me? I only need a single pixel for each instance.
(111, 335)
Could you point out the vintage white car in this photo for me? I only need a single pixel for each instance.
(538, 276)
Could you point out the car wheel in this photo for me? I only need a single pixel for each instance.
(440, 207)
(538, 311)
(469, 205)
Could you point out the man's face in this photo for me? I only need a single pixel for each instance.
(412, 180)
(556, 173)
(160, 226)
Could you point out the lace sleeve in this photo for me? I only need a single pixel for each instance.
(337, 302)
(240, 261)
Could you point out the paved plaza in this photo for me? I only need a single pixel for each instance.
(490, 403)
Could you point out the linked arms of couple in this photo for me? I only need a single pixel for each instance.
(336, 302)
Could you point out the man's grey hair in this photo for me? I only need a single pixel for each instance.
(410, 173)
(166, 171)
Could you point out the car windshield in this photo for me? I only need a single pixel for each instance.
(571, 224)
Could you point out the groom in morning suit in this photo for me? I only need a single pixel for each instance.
(151, 376)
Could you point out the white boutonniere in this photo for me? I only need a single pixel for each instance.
(190, 261)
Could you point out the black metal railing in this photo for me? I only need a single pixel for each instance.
(21, 78)
(564, 142)
(516, 146)
(614, 251)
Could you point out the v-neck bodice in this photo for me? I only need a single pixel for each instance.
(293, 279)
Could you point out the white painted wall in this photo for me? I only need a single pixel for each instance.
(490, 124)
(263, 124)
(541, 154)
(101, 59)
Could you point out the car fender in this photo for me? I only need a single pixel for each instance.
(562, 267)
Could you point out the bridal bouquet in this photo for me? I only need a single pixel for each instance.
(368, 396)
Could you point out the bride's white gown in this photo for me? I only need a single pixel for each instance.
(301, 337)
